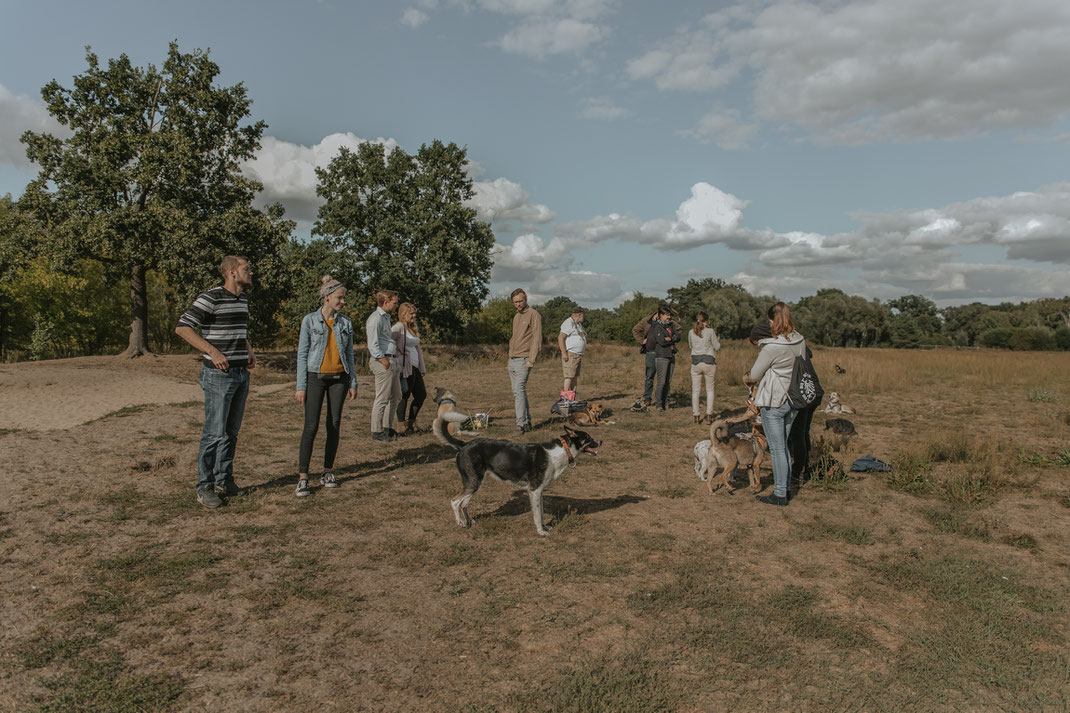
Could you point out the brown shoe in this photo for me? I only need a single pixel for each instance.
(698, 419)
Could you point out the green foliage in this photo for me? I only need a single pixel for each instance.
(914, 322)
(1039, 395)
(493, 324)
(554, 312)
(150, 179)
(403, 221)
(61, 314)
(834, 318)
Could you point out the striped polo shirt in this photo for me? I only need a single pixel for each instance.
(223, 319)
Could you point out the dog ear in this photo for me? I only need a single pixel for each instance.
(569, 430)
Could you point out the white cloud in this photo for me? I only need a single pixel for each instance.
(548, 27)
(604, 109)
(413, 17)
(503, 200)
(288, 170)
(708, 216)
(19, 114)
(725, 127)
(880, 69)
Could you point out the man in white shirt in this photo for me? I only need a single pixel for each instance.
(383, 349)
(572, 340)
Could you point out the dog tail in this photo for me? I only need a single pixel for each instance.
(441, 430)
(719, 430)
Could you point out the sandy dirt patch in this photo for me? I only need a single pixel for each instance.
(66, 393)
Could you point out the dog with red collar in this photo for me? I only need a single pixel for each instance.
(532, 466)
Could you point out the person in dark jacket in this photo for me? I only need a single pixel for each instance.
(664, 334)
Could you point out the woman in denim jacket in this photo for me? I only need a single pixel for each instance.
(324, 368)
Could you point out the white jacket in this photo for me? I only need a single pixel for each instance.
(773, 366)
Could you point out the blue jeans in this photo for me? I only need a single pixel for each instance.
(776, 422)
(518, 377)
(225, 393)
(651, 372)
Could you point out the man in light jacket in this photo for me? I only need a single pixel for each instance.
(383, 350)
(524, 347)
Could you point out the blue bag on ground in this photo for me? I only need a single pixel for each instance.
(869, 463)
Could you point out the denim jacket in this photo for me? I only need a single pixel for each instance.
(313, 343)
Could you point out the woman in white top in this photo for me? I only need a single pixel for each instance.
(772, 373)
(572, 340)
(704, 346)
(410, 359)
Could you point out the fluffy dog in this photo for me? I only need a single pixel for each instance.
(531, 465)
(836, 406)
(588, 416)
(838, 433)
(728, 452)
(448, 415)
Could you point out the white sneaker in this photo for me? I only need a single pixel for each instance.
(302, 488)
(327, 480)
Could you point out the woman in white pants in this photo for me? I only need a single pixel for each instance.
(704, 346)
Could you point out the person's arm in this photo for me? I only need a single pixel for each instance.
(639, 330)
(371, 333)
(304, 343)
(714, 341)
(561, 345)
(761, 364)
(200, 344)
(350, 361)
(536, 342)
(252, 355)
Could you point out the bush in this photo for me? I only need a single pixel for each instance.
(998, 338)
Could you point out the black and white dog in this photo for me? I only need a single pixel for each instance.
(531, 465)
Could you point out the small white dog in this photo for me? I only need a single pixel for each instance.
(837, 406)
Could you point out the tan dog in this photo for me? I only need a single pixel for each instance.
(588, 416)
(837, 406)
(447, 410)
(728, 452)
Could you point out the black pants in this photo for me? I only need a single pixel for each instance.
(334, 387)
(418, 393)
(799, 440)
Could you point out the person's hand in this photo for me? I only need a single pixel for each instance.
(352, 394)
(564, 356)
(530, 363)
(300, 396)
(384, 361)
(252, 360)
(218, 360)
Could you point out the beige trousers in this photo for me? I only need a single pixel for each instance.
(698, 371)
(387, 394)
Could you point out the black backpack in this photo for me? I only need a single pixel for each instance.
(804, 390)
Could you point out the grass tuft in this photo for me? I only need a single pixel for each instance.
(1040, 395)
(632, 683)
(911, 473)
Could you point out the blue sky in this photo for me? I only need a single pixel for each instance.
(882, 147)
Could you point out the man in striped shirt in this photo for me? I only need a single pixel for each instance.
(222, 316)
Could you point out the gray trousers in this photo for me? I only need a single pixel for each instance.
(387, 394)
(665, 367)
(518, 377)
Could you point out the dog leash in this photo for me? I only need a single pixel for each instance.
(564, 444)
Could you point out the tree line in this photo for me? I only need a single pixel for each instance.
(136, 204)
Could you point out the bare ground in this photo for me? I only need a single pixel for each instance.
(948, 593)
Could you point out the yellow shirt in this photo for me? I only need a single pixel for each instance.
(332, 360)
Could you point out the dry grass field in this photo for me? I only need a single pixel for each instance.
(941, 586)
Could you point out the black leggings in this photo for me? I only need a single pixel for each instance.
(418, 393)
(334, 387)
(799, 440)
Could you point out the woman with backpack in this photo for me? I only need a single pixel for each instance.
(772, 372)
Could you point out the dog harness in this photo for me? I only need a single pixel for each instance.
(447, 401)
(568, 452)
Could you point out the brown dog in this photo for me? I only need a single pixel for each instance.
(447, 410)
(729, 452)
(588, 416)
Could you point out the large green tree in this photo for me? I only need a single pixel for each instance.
(149, 177)
(403, 219)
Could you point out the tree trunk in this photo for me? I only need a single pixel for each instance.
(139, 313)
